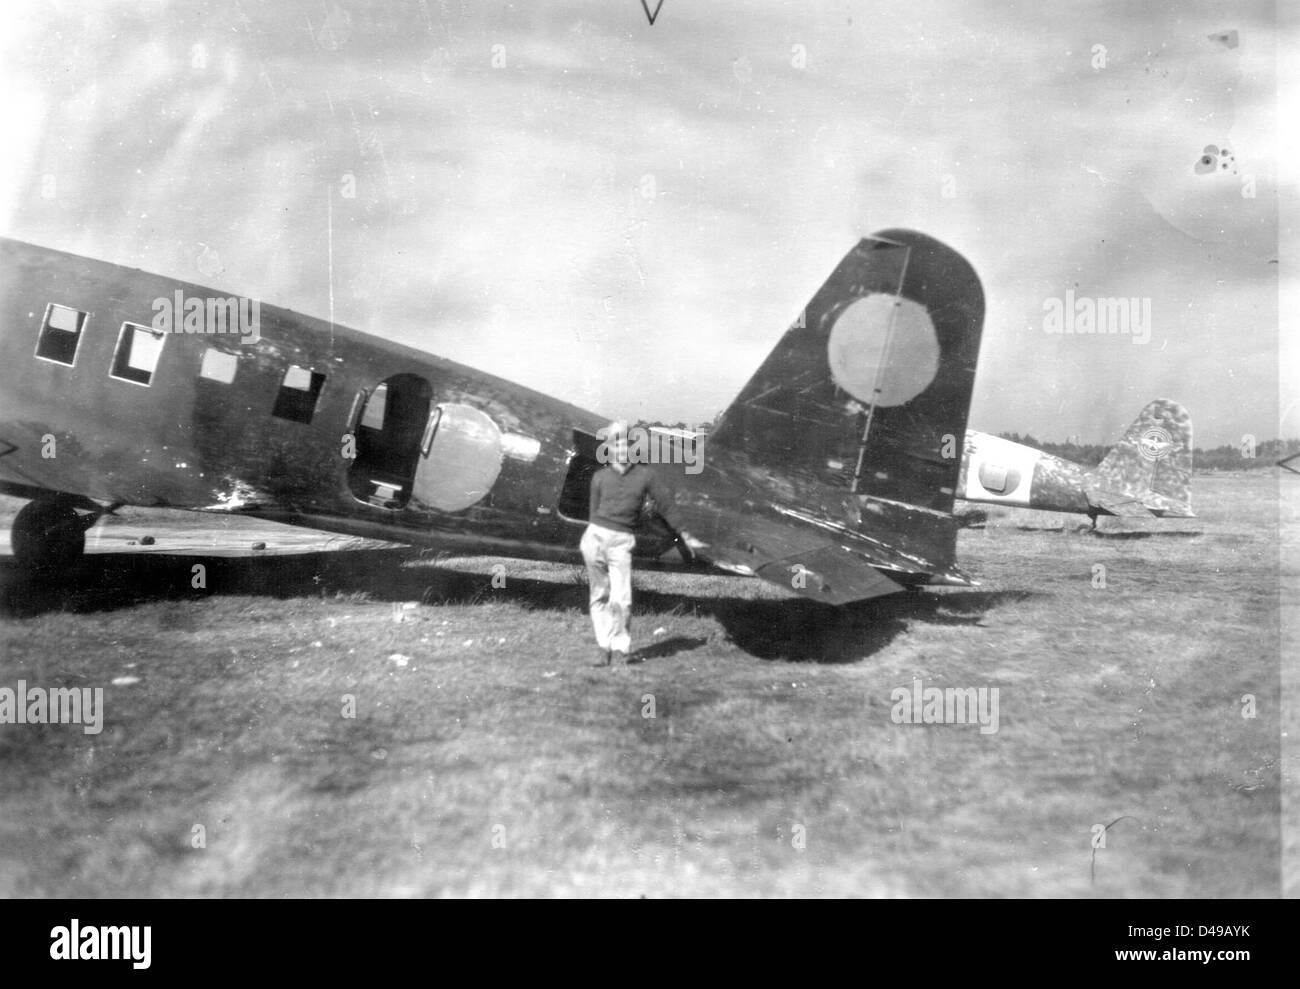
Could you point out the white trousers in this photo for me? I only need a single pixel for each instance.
(608, 555)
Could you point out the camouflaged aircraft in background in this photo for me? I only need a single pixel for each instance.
(1148, 472)
(828, 474)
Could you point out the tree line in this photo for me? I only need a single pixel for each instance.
(1243, 456)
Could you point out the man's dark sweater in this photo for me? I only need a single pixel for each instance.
(616, 499)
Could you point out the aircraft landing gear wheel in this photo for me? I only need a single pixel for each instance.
(48, 537)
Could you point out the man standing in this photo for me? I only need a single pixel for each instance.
(618, 494)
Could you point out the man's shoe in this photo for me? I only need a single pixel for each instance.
(620, 657)
(603, 659)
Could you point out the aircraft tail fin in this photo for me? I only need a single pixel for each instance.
(869, 391)
(852, 428)
(1149, 470)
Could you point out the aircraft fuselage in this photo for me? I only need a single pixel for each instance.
(1002, 472)
(310, 420)
(121, 387)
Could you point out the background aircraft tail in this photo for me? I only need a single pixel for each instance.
(1149, 470)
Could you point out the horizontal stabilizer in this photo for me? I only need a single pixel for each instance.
(831, 574)
(1141, 506)
(797, 557)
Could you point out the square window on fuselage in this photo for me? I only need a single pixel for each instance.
(218, 366)
(139, 349)
(60, 334)
(296, 400)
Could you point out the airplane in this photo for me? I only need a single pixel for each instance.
(1147, 473)
(830, 474)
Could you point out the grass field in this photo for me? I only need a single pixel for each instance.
(487, 758)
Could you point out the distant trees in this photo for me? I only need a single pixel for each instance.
(1266, 454)
(698, 427)
(1237, 457)
(1088, 454)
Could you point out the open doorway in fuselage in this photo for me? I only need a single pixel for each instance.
(389, 430)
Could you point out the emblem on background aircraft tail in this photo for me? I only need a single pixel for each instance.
(1155, 443)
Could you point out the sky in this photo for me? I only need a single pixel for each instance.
(628, 216)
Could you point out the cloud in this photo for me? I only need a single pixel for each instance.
(628, 217)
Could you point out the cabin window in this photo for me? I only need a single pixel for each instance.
(298, 393)
(60, 334)
(138, 350)
(999, 480)
(373, 416)
(218, 366)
